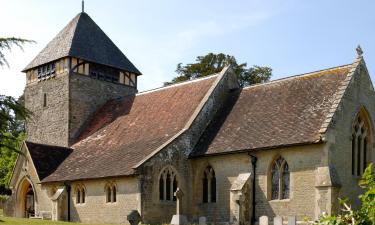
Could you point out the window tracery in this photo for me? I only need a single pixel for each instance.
(361, 137)
(280, 179)
(111, 192)
(80, 194)
(168, 184)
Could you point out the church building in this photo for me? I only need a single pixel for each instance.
(98, 150)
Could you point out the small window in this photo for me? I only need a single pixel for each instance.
(80, 194)
(111, 193)
(45, 100)
(209, 185)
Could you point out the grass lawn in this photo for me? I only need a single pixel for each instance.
(19, 221)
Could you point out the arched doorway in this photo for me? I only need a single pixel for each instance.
(29, 202)
(25, 200)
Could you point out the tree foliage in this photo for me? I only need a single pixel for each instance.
(214, 63)
(363, 216)
(12, 130)
(7, 159)
(7, 44)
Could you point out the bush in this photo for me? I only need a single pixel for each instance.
(365, 215)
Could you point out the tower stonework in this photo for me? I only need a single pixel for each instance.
(71, 78)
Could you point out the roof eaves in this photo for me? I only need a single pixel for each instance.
(318, 141)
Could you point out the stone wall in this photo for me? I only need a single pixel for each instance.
(97, 210)
(48, 123)
(227, 168)
(61, 106)
(302, 161)
(359, 94)
(86, 95)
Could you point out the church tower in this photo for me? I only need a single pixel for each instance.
(75, 74)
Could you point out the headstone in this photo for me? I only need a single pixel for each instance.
(202, 220)
(291, 220)
(263, 220)
(134, 218)
(179, 219)
(278, 220)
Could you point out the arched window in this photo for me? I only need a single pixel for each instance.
(280, 182)
(80, 194)
(209, 185)
(168, 184)
(361, 142)
(110, 192)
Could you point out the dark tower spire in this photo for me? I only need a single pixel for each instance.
(83, 5)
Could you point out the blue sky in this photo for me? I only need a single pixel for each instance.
(292, 37)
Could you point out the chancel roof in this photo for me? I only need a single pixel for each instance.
(82, 38)
(284, 112)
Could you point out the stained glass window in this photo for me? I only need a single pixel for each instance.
(280, 179)
(275, 182)
(361, 133)
(285, 182)
(205, 188)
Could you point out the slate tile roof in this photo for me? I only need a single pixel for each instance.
(124, 131)
(284, 112)
(83, 38)
(46, 158)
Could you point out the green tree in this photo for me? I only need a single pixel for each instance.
(12, 118)
(7, 44)
(214, 63)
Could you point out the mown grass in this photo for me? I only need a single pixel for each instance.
(19, 221)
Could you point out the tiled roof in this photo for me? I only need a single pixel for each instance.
(125, 131)
(284, 112)
(46, 158)
(83, 38)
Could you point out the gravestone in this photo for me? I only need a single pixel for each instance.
(263, 220)
(134, 218)
(179, 218)
(291, 220)
(202, 220)
(278, 220)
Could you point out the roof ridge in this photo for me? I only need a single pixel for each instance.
(298, 76)
(177, 84)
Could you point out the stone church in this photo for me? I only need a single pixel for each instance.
(97, 149)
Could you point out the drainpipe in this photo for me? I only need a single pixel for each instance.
(68, 189)
(253, 163)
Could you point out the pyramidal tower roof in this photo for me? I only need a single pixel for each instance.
(82, 38)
